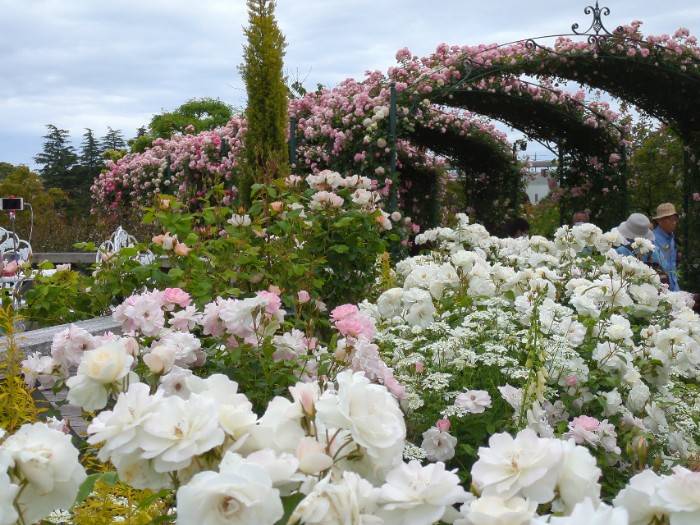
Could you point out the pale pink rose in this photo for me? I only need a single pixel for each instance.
(356, 326)
(178, 296)
(343, 311)
(303, 296)
(274, 303)
(394, 387)
(474, 401)
(420, 366)
(277, 206)
(588, 423)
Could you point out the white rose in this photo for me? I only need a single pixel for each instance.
(578, 478)
(106, 364)
(241, 493)
(636, 498)
(160, 359)
(312, 456)
(349, 499)
(493, 510)
(371, 415)
(526, 466)
(638, 397)
(438, 445)
(179, 431)
(8, 490)
(47, 460)
(279, 428)
(418, 495)
(678, 494)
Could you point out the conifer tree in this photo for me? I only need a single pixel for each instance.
(57, 158)
(265, 152)
(91, 153)
(113, 140)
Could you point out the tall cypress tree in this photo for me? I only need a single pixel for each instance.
(265, 151)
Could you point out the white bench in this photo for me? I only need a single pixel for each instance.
(12, 248)
(117, 241)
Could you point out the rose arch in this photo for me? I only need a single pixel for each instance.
(431, 119)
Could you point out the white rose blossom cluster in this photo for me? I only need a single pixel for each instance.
(582, 350)
(616, 349)
(39, 472)
(340, 446)
(359, 189)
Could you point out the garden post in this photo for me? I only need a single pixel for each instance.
(393, 192)
(292, 141)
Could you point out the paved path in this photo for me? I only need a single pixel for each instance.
(40, 341)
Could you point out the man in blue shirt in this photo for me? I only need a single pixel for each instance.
(666, 252)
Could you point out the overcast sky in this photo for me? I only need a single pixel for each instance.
(81, 64)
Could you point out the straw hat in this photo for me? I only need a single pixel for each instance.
(665, 210)
(636, 225)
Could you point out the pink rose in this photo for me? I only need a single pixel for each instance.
(274, 303)
(303, 296)
(443, 425)
(177, 296)
(588, 423)
(343, 311)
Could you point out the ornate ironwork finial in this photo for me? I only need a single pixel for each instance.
(597, 24)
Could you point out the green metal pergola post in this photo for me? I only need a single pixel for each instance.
(393, 192)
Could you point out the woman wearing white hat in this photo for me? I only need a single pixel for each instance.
(637, 225)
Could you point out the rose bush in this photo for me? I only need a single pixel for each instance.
(554, 379)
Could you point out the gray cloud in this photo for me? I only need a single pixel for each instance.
(96, 63)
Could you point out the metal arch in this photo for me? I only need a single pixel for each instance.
(596, 25)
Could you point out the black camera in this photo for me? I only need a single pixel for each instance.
(11, 204)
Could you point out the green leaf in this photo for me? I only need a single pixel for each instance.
(340, 248)
(289, 503)
(88, 485)
(162, 494)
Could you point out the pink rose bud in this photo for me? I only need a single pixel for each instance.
(419, 367)
(303, 296)
(443, 425)
(277, 206)
(571, 380)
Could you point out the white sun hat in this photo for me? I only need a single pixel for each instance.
(636, 225)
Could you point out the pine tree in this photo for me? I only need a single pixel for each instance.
(57, 158)
(91, 153)
(265, 152)
(113, 140)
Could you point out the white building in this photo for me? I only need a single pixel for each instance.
(541, 179)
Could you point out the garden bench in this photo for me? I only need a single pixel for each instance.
(117, 241)
(13, 249)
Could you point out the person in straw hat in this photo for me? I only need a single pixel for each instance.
(666, 252)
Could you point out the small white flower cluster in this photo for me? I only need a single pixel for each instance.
(617, 347)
